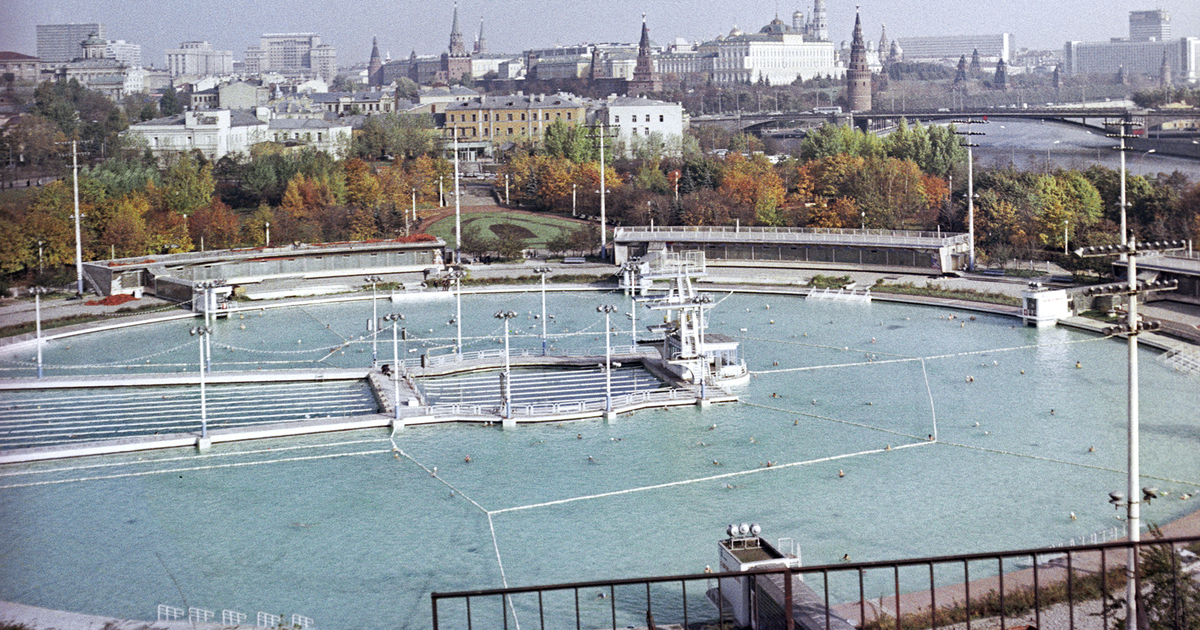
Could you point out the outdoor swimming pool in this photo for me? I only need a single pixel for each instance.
(344, 530)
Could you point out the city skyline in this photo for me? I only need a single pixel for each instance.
(511, 26)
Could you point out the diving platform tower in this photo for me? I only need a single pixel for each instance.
(689, 351)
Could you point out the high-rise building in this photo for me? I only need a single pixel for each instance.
(199, 59)
(60, 43)
(858, 76)
(1147, 26)
(951, 47)
(292, 52)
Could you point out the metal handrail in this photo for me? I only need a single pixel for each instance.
(1058, 562)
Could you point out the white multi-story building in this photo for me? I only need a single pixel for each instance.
(1136, 58)
(637, 121)
(124, 52)
(292, 52)
(950, 48)
(776, 55)
(332, 137)
(214, 133)
(199, 59)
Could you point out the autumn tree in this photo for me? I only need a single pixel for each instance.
(215, 225)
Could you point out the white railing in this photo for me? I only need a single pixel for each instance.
(199, 615)
(300, 621)
(1186, 360)
(1116, 532)
(840, 295)
(267, 620)
(232, 617)
(169, 613)
(534, 410)
(788, 235)
(516, 353)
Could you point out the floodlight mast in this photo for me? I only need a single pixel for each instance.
(1131, 329)
(966, 142)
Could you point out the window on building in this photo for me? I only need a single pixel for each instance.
(472, 117)
(647, 131)
(634, 118)
(510, 118)
(485, 118)
(616, 119)
(522, 116)
(660, 118)
(510, 128)
(568, 115)
(451, 117)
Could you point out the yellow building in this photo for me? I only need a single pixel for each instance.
(510, 118)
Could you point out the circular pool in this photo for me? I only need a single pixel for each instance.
(891, 431)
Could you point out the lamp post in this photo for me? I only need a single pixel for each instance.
(607, 309)
(38, 292)
(1131, 328)
(207, 287)
(395, 317)
(542, 271)
(78, 242)
(505, 378)
(202, 332)
(267, 237)
(970, 182)
(414, 211)
(1066, 225)
(1122, 133)
(441, 193)
(457, 208)
(573, 205)
(457, 275)
(374, 327)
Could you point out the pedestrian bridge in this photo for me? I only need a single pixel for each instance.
(834, 248)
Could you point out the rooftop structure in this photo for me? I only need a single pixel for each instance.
(951, 47)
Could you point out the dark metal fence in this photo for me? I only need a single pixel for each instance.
(1059, 587)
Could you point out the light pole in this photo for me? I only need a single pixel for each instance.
(607, 309)
(970, 182)
(457, 275)
(1066, 225)
(573, 205)
(505, 378)
(38, 292)
(441, 193)
(78, 242)
(267, 230)
(1131, 328)
(1122, 134)
(202, 332)
(207, 286)
(395, 317)
(457, 208)
(542, 271)
(374, 327)
(414, 211)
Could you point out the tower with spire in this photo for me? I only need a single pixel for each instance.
(480, 40)
(375, 66)
(858, 75)
(645, 79)
(457, 62)
(820, 24)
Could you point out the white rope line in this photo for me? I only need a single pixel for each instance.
(817, 345)
(819, 417)
(672, 484)
(1067, 463)
(191, 469)
(210, 455)
(923, 359)
(932, 407)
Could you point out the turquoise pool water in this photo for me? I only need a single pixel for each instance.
(343, 530)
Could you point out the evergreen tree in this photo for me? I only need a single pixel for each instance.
(169, 104)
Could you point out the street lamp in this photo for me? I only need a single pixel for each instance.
(457, 208)
(414, 211)
(542, 271)
(1066, 225)
(38, 292)
(457, 275)
(267, 229)
(78, 242)
(202, 332)
(374, 327)
(395, 317)
(1131, 328)
(1122, 134)
(607, 309)
(505, 378)
(573, 190)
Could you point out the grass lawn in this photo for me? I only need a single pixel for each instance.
(534, 229)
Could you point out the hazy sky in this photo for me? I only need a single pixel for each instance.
(514, 25)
